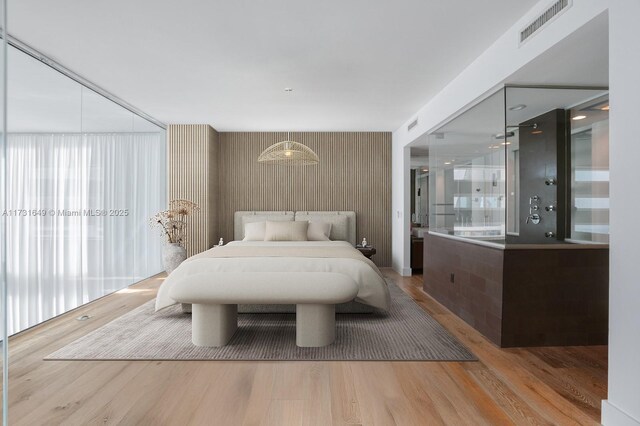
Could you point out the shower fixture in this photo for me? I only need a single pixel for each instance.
(504, 135)
(512, 126)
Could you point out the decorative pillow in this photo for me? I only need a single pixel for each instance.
(339, 225)
(263, 218)
(286, 231)
(318, 231)
(254, 231)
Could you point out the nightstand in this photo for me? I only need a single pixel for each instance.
(368, 251)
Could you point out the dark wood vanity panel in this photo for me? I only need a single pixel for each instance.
(522, 297)
(417, 254)
(467, 279)
(555, 297)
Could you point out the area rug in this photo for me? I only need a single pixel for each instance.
(406, 333)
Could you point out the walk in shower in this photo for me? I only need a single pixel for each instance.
(519, 216)
(525, 165)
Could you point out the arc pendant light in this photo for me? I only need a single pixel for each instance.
(289, 153)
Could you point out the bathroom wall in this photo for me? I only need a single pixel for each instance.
(542, 157)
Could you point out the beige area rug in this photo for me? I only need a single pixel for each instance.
(406, 333)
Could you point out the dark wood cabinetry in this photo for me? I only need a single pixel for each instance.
(551, 296)
(417, 254)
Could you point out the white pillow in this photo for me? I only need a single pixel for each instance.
(318, 231)
(254, 231)
(286, 231)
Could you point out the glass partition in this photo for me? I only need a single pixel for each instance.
(3, 219)
(589, 200)
(525, 165)
(84, 175)
(467, 170)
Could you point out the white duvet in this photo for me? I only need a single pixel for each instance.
(373, 289)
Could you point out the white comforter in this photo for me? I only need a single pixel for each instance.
(373, 289)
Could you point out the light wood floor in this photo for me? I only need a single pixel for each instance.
(515, 386)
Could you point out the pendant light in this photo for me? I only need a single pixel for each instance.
(289, 153)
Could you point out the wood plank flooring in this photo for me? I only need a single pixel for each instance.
(538, 386)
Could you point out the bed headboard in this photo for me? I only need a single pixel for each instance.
(343, 223)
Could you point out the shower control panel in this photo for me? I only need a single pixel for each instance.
(534, 206)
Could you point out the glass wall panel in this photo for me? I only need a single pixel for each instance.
(84, 176)
(527, 165)
(467, 173)
(3, 219)
(558, 163)
(590, 171)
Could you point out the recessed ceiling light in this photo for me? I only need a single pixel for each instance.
(506, 143)
(425, 170)
(605, 108)
(517, 107)
(288, 89)
(579, 117)
(447, 162)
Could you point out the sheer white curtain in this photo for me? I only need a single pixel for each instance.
(79, 218)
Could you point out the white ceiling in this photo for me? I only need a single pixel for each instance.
(353, 65)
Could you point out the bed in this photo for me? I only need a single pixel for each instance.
(337, 255)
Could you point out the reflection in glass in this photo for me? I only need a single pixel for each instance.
(467, 169)
(590, 172)
(525, 165)
(3, 241)
(84, 176)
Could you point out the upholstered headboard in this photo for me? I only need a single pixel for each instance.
(343, 223)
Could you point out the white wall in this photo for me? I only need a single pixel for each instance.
(623, 404)
(400, 207)
(488, 72)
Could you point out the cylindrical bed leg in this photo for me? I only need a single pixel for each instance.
(315, 325)
(213, 325)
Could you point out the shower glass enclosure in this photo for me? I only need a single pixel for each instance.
(527, 165)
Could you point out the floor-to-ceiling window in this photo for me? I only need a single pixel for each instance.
(83, 177)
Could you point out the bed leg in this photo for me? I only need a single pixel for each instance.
(213, 325)
(315, 325)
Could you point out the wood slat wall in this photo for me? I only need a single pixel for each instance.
(192, 173)
(354, 174)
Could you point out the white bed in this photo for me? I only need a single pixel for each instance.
(289, 256)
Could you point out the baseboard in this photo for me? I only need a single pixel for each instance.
(405, 272)
(613, 416)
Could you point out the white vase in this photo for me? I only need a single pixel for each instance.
(173, 254)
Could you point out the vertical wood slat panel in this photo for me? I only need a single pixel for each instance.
(354, 174)
(192, 174)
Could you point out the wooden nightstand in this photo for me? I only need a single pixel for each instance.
(368, 251)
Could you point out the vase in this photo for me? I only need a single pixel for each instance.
(173, 254)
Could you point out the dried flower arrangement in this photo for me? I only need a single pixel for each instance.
(173, 222)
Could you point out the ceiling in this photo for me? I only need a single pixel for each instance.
(353, 65)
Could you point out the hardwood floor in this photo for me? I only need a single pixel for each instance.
(514, 386)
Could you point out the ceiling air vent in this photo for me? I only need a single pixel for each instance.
(413, 124)
(551, 13)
